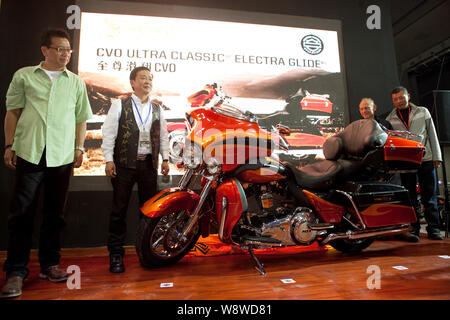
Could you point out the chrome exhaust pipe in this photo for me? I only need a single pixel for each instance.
(222, 218)
(352, 235)
(260, 243)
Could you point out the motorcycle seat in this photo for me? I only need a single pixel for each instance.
(318, 176)
(350, 169)
(355, 141)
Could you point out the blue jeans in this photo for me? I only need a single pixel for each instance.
(428, 188)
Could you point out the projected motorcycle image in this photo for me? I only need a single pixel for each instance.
(256, 200)
(311, 117)
(297, 81)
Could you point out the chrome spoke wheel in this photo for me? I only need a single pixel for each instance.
(167, 240)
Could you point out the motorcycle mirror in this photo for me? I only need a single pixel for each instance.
(283, 130)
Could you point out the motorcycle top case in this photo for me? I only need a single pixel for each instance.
(381, 204)
(397, 153)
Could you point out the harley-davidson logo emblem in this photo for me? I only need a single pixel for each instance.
(312, 44)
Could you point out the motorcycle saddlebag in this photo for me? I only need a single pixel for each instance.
(381, 204)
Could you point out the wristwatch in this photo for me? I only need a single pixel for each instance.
(80, 148)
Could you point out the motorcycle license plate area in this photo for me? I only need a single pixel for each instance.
(382, 204)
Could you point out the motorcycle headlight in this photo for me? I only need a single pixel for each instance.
(192, 156)
(213, 166)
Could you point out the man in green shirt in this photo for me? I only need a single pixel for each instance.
(45, 126)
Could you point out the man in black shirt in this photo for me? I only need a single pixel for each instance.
(367, 109)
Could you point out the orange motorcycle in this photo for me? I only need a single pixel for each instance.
(256, 201)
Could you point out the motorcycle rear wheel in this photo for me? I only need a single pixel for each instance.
(157, 240)
(351, 246)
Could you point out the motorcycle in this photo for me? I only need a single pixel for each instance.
(257, 201)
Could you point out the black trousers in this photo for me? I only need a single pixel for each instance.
(426, 176)
(28, 182)
(146, 178)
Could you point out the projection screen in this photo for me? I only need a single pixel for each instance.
(285, 69)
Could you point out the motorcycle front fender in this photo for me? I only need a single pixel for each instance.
(169, 201)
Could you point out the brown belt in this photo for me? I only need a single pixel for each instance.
(142, 157)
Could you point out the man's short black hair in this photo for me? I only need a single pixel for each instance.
(47, 35)
(399, 89)
(135, 71)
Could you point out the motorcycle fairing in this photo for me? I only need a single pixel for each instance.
(234, 194)
(238, 149)
(219, 137)
(168, 201)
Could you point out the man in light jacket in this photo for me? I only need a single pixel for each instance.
(417, 120)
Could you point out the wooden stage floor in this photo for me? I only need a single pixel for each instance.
(323, 274)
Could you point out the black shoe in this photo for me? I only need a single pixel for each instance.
(435, 236)
(116, 263)
(408, 237)
(13, 287)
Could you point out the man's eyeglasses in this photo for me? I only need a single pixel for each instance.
(62, 50)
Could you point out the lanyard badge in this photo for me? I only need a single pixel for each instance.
(144, 136)
(409, 118)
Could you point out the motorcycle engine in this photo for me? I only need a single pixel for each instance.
(292, 229)
(271, 213)
(300, 231)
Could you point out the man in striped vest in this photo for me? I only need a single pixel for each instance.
(134, 134)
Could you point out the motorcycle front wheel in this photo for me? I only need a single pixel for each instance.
(351, 246)
(158, 241)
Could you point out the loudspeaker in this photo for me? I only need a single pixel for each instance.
(442, 114)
